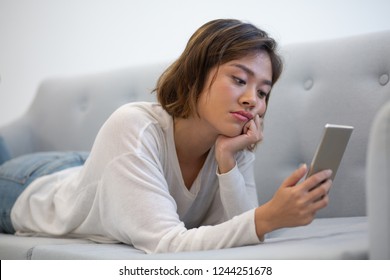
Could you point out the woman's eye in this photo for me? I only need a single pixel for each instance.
(262, 94)
(239, 81)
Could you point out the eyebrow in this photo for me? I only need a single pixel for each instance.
(250, 72)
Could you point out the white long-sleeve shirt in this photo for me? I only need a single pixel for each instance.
(131, 190)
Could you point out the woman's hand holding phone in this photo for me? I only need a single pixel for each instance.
(295, 203)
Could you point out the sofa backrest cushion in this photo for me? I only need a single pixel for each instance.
(67, 112)
(340, 81)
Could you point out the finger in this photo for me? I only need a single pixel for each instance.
(251, 137)
(260, 127)
(258, 122)
(262, 122)
(247, 126)
(321, 191)
(316, 179)
(320, 203)
(250, 126)
(295, 177)
(255, 128)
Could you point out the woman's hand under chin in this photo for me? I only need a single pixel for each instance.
(227, 147)
(256, 132)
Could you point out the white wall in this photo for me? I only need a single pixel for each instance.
(42, 38)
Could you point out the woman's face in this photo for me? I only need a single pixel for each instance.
(237, 93)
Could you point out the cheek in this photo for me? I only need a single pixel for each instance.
(262, 107)
(223, 88)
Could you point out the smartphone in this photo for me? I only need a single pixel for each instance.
(331, 149)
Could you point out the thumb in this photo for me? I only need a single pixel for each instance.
(294, 178)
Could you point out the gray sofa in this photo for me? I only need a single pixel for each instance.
(342, 81)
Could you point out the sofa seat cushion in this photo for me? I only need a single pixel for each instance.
(325, 238)
(21, 248)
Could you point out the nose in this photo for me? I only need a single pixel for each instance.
(250, 100)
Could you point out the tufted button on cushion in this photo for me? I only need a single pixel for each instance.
(384, 79)
(308, 84)
(83, 102)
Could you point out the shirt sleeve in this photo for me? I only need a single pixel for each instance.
(237, 187)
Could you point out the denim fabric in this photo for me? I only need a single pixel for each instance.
(16, 174)
(4, 153)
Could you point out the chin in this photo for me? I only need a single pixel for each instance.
(232, 132)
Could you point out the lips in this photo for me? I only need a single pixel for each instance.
(242, 115)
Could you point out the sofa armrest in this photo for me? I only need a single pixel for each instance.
(67, 112)
(378, 185)
(15, 139)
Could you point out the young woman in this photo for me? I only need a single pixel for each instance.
(174, 175)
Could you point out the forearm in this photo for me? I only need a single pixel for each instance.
(239, 231)
(237, 194)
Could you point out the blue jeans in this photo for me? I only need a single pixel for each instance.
(16, 174)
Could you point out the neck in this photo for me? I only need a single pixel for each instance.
(192, 141)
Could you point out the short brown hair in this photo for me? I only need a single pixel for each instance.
(213, 44)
